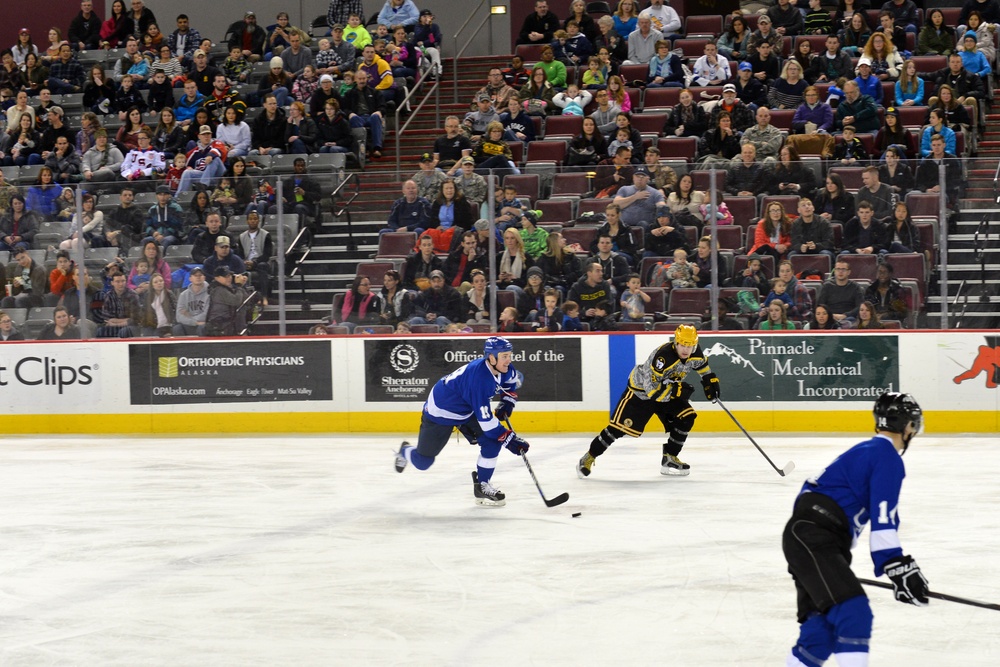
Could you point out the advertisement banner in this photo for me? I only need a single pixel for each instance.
(799, 367)
(190, 372)
(405, 370)
(53, 374)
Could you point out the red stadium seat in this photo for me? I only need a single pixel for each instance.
(556, 210)
(661, 98)
(678, 147)
(657, 299)
(694, 301)
(703, 26)
(702, 180)
(546, 151)
(744, 210)
(563, 126)
(572, 184)
(374, 271)
(649, 123)
(396, 244)
(863, 267)
(851, 176)
(632, 74)
(527, 184)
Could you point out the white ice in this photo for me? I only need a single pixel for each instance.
(313, 551)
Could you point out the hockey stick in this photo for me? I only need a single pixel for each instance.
(789, 467)
(558, 500)
(938, 596)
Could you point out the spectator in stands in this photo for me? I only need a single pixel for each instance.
(833, 202)
(301, 133)
(972, 60)
(928, 179)
(613, 173)
(606, 112)
(533, 237)
(665, 19)
(43, 195)
(538, 28)
(578, 14)
(361, 306)
(205, 162)
(803, 54)
(638, 202)
(886, 294)
(841, 296)
(812, 116)
(773, 235)
(857, 110)
(665, 237)
(85, 28)
(711, 69)
(476, 122)
(249, 36)
(749, 89)
(464, 261)
(144, 162)
(787, 90)
(206, 237)
(620, 233)
(235, 133)
(164, 220)
(223, 255)
(189, 103)
(855, 34)
(439, 304)
(472, 185)
(429, 179)
(893, 134)
(590, 290)
(496, 90)
(777, 315)
(559, 263)
(661, 176)
(517, 124)
(27, 280)
(192, 306)
(512, 263)
(909, 87)
(904, 14)
(334, 129)
(365, 108)
(886, 61)
(968, 87)
(895, 173)
(64, 162)
(735, 41)
(977, 25)
(609, 40)
(340, 10)
(411, 212)
(864, 234)
(203, 73)
(868, 318)
(903, 236)
(869, 84)
(450, 209)
(746, 173)
(936, 37)
(227, 296)
(397, 304)
(120, 310)
(766, 138)
(419, 264)
(811, 234)
(721, 144)
(452, 147)
(555, 71)
(741, 115)
(66, 75)
(642, 43)
(791, 176)
(102, 163)
(765, 32)
(617, 94)
(953, 114)
(851, 151)
(821, 320)
(832, 64)
(184, 40)
(786, 18)
(685, 203)
(687, 119)
(626, 18)
(817, 20)
(876, 193)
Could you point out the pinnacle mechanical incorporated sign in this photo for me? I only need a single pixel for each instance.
(790, 367)
(193, 372)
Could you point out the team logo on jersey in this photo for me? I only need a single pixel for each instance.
(659, 363)
(404, 358)
(627, 423)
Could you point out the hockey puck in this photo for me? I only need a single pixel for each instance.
(576, 514)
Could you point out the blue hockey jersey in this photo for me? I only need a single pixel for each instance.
(468, 391)
(865, 479)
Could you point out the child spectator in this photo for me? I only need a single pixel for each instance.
(508, 320)
(573, 101)
(779, 293)
(634, 300)
(571, 316)
(173, 176)
(547, 319)
(680, 272)
(262, 199)
(593, 78)
(850, 152)
(604, 317)
(754, 276)
(224, 197)
(509, 208)
(517, 74)
(161, 93)
(138, 279)
(622, 135)
(236, 67)
(355, 33)
(347, 84)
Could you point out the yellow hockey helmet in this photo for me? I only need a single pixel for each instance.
(685, 334)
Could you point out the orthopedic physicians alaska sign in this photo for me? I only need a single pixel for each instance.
(792, 367)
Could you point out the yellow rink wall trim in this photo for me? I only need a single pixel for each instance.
(710, 420)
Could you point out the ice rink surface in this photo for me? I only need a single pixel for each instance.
(313, 551)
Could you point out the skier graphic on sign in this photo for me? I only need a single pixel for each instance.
(987, 360)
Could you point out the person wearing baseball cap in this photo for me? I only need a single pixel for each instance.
(637, 203)
(205, 162)
(427, 35)
(192, 305)
(429, 179)
(749, 89)
(249, 36)
(226, 315)
(440, 304)
(224, 256)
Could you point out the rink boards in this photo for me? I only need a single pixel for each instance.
(774, 382)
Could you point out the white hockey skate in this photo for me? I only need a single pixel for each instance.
(671, 465)
(486, 494)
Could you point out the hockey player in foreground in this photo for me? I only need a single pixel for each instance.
(462, 399)
(657, 387)
(830, 513)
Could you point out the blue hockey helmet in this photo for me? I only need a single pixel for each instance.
(495, 345)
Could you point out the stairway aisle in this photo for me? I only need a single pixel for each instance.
(331, 267)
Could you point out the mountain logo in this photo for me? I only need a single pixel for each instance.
(718, 349)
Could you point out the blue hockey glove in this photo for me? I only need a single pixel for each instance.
(710, 383)
(515, 443)
(908, 581)
(506, 406)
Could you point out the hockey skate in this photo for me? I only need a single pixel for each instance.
(584, 466)
(401, 458)
(671, 465)
(486, 494)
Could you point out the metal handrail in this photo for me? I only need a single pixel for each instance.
(965, 303)
(434, 90)
(354, 178)
(458, 54)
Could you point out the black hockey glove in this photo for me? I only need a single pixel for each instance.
(680, 391)
(506, 406)
(710, 383)
(908, 581)
(515, 443)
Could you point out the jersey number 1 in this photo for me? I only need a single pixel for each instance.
(884, 513)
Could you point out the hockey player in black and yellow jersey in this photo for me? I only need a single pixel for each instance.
(657, 387)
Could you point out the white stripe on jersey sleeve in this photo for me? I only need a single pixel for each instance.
(435, 411)
(885, 539)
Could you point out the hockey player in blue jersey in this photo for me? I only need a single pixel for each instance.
(830, 513)
(463, 399)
